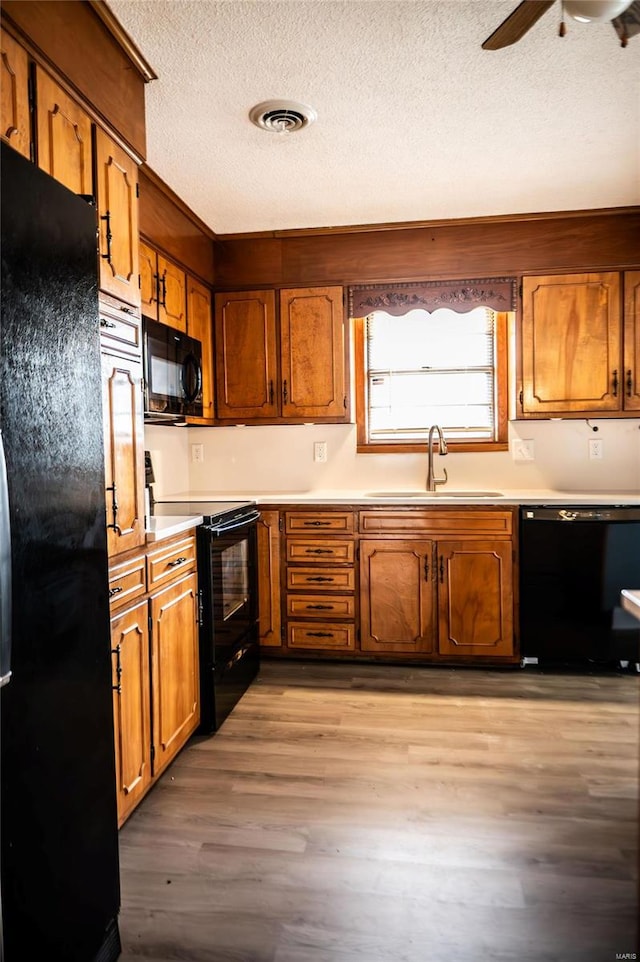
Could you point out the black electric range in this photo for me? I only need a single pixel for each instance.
(227, 543)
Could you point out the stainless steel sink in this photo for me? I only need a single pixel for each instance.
(434, 494)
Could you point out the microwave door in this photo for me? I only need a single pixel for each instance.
(191, 378)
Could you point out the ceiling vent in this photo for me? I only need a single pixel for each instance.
(282, 116)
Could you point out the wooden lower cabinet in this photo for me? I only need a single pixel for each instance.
(475, 598)
(269, 579)
(174, 668)
(431, 585)
(397, 596)
(131, 706)
(154, 650)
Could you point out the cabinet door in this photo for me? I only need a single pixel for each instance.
(124, 452)
(397, 596)
(174, 668)
(475, 598)
(64, 136)
(571, 344)
(269, 579)
(149, 296)
(246, 351)
(117, 197)
(172, 282)
(312, 340)
(15, 123)
(632, 341)
(200, 326)
(131, 706)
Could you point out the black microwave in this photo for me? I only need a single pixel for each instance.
(172, 374)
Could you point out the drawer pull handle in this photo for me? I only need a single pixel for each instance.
(318, 551)
(115, 591)
(317, 524)
(105, 323)
(178, 561)
(319, 578)
(319, 634)
(319, 607)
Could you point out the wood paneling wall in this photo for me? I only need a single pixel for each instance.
(167, 223)
(480, 247)
(70, 36)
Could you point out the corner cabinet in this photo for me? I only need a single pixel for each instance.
(282, 366)
(579, 353)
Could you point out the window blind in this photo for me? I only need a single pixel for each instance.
(427, 368)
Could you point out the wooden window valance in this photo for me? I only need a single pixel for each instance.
(498, 293)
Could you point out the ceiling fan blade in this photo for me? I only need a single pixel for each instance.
(517, 24)
(627, 24)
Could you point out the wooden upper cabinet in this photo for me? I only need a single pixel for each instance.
(14, 95)
(312, 339)
(572, 345)
(288, 367)
(475, 598)
(246, 355)
(200, 326)
(632, 340)
(64, 136)
(163, 289)
(117, 198)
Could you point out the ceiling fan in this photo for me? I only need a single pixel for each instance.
(623, 14)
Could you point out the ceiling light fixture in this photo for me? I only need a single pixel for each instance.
(282, 116)
(593, 11)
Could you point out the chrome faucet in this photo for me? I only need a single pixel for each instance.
(432, 481)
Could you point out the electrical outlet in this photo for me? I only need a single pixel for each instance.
(320, 451)
(197, 453)
(596, 450)
(522, 450)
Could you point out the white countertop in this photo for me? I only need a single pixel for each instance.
(630, 599)
(160, 528)
(339, 496)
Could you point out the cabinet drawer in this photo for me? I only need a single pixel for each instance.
(120, 328)
(319, 551)
(171, 561)
(322, 635)
(456, 523)
(317, 606)
(340, 579)
(126, 581)
(338, 522)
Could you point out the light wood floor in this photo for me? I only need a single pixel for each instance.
(361, 813)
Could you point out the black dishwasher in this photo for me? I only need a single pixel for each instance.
(574, 561)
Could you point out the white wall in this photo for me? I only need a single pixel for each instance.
(280, 459)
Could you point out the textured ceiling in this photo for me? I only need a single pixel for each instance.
(415, 120)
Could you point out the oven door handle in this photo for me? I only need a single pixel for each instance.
(232, 525)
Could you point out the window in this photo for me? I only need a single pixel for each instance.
(420, 363)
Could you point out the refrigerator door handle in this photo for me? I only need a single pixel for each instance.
(5, 573)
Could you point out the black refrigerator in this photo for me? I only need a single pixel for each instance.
(59, 867)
